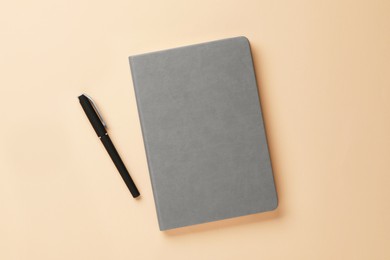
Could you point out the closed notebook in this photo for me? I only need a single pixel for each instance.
(203, 132)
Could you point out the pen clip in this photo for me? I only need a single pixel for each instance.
(96, 110)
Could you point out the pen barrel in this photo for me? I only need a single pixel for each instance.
(119, 165)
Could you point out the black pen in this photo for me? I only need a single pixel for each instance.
(99, 125)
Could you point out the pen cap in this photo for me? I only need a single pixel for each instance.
(92, 116)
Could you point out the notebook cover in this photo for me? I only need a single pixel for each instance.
(203, 132)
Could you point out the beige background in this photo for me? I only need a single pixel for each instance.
(324, 74)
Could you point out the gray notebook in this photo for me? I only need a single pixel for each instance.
(203, 132)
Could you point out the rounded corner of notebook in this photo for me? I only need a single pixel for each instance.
(275, 205)
(243, 39)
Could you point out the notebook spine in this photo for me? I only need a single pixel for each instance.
(132, 68)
